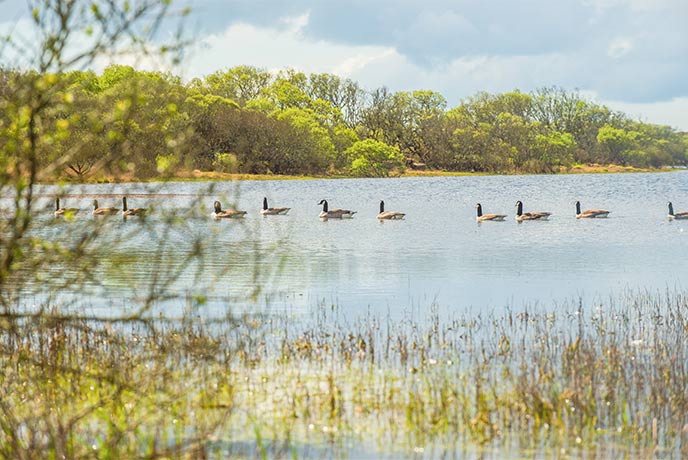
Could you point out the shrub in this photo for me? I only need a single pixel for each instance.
(371, 158)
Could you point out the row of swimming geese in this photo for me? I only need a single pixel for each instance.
(328, 213)
(542, 215)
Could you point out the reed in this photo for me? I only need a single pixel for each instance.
(601, 379)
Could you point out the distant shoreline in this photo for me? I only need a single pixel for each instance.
(197, 175)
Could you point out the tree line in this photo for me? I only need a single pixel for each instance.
(248, 120)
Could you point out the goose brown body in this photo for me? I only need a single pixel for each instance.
(525, 216)
(64, 211)
(683, 215)
(266, 211)
(219, 213)
(104, 211)
(487, 217)
(389, 215)
(590, 213)
(126, 212)
(327, 213)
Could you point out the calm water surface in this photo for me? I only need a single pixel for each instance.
(438, 254)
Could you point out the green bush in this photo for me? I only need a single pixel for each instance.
(226, 162)
(371, 158)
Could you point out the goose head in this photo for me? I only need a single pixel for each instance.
(519, 208)
(217, 206)
(324, 205)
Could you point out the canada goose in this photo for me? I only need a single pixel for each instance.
(589, 213)
(335, 213)
(227, 213)
(126, 212)
(272, 211)
(485, 217)
(678, 215)
(389, 215)
(64, 211)
(521, 216)
(98, 211)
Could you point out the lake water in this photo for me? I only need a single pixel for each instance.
(438, 254)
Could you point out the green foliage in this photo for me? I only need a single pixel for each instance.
(226, 162)
(320, 149)
(292, 123)
(167, 164)
(371, 158)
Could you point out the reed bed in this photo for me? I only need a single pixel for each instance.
(608, 379)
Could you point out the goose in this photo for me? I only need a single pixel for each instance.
(64, 211)
(272, 211)
(335, 213)
(389, 215)
(485, 217)
(589, 213)
(521, 216)
(678, 215)
(98, 211)
(126, 212)
(227, 213)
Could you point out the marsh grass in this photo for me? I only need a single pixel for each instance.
(580, 381)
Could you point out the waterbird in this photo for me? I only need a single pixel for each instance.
(485, 217)
(334, 213)
(64, 211)
(126, 212)
(105, 211)
(589, 213)
(389, 215)
(272, 211)
(676, 215)
(227, 213)
(521, 216)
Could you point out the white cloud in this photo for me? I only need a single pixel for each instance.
(619, 47)
(296, 24)
(278, 48)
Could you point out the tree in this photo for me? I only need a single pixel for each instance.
(345, 95)
(373, 158)
(240, 84)
(51, 119)
(616, 141)
(554, 149)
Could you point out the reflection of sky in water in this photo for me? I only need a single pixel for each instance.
(438, 254)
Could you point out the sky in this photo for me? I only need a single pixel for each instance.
(631, 55)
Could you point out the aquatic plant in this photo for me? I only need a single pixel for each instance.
(607, 379)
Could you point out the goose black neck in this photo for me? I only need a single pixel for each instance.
(480, 209)
(95, 204)
(519, 209)
(578, 211)
(218, 207)
(57, 204)
(671, 209)
(382, 206)
(324, 205)
(265, 203)
(124, 203)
